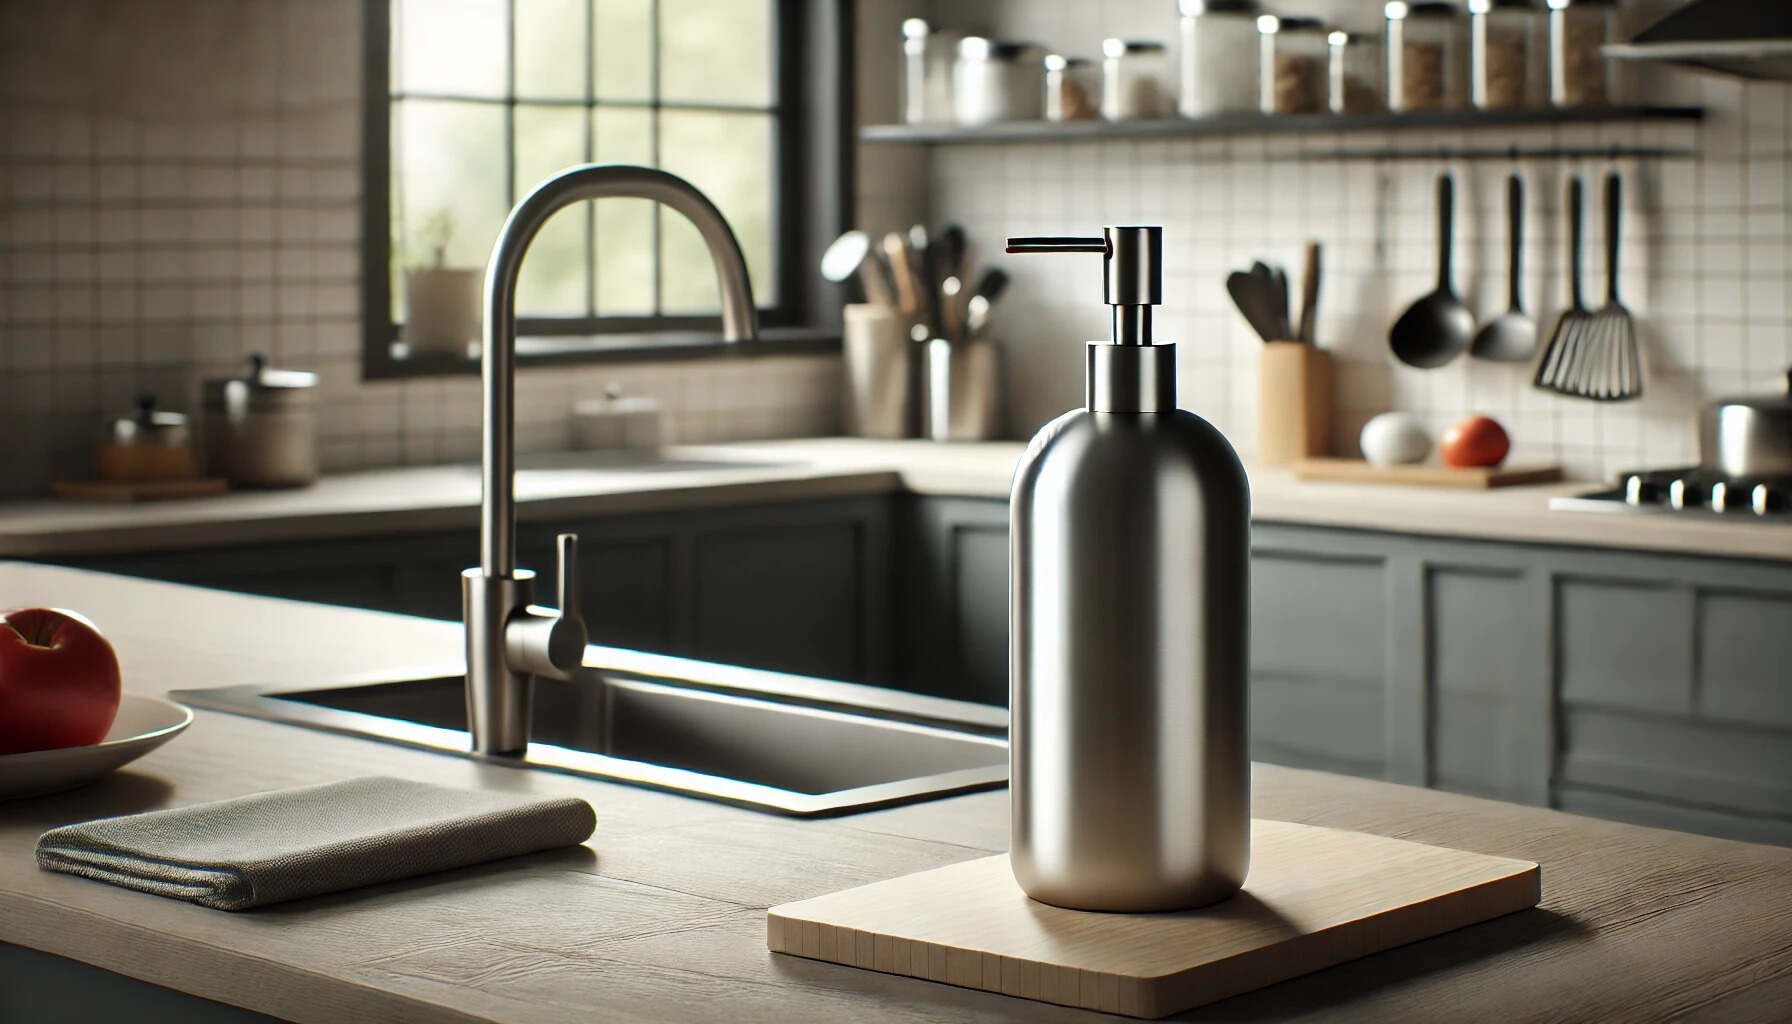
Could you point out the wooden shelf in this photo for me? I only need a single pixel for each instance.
(1265, 124)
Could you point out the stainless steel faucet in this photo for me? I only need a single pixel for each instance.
(509, 639)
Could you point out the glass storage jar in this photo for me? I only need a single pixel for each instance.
(1134, 73)
(1425, 56)
(1217, 57)
(1291, 60)
(997, 81)
(1353, 65)
(1504, 54)
(1071, 85)
(1579, 74)
(927, 72)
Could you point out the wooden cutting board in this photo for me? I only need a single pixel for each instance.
(1315, 897)
(138, 490)
(1475, 478)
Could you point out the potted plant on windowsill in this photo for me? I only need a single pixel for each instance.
(441, 302)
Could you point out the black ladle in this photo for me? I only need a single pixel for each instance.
(1438, 327)
(1510, 337)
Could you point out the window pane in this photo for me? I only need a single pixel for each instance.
(449, 46)
(548, 140)
(448, 169)
(621, 42)
(550, 49)
(624, 226)
(717, 51)
(729, 157)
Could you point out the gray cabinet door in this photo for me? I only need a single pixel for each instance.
(952, 597)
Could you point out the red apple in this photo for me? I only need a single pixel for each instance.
(59, 682)
(1476, 441)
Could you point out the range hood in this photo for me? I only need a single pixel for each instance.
(1749, 38)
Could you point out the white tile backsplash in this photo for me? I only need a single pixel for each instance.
(180, 186)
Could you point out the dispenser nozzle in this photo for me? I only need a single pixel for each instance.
(1132, 279)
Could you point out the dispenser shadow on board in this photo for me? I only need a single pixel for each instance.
(1129, 621)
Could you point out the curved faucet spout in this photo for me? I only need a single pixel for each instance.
(508, 638)
(740, 319)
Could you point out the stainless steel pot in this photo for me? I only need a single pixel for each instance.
(1748, 436)
(261, 428)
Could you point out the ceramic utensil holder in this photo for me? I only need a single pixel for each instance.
(964, 391)
(879, 386)
(1294, 402)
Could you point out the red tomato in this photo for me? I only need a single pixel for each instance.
(59, 684)
(1476, 441)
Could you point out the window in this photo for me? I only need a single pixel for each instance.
(472, 102)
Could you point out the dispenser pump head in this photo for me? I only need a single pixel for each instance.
(1132, 278)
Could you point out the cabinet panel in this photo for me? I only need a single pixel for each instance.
(781, 597)
(1714, 765)
(1626, 643)
(1745, 657)
(624, 586)
(1479, 632)
(1314, 615)
(980, 556)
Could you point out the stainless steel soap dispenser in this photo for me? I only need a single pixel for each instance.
(1129, 611)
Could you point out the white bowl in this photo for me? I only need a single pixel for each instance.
(142, 725)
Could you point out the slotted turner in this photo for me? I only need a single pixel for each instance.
(1565, 356)
(1619, 374)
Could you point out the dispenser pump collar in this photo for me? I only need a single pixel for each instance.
(1132, 278)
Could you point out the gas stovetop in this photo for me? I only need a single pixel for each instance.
(1689, 491)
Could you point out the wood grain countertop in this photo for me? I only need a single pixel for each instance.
(661, 916)
(424, 498)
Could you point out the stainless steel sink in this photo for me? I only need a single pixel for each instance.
(781, 743)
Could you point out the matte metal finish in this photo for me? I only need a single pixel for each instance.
(507, 638)
(1130, 539)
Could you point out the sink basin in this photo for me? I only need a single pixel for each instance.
(787, 744)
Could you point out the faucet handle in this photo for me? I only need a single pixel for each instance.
(566, 574)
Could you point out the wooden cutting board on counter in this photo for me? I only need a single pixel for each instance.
(1315, 897)
(1474, 478)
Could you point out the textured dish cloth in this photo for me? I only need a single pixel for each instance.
(287, 844)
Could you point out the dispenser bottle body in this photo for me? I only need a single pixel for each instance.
(1129, 608)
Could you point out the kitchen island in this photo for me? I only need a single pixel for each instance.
(661, 916)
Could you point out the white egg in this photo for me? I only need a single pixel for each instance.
(1394, 438)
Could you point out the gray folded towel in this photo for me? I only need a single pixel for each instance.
(287, 844)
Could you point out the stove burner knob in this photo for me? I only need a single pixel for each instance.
(1677, 494)
(1639, 490)
(1766, 501)
(1720, 497)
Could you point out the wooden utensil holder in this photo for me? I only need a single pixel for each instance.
(1294, 402)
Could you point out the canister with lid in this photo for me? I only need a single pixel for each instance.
(1504, 54)
(995, 80)
(1353, 72)
(1134, 80)
(148, 444)
(1071, 86)
(261, 428)
(1291, 59)
(1426, 45)
(1579, 74)
(1218, 57)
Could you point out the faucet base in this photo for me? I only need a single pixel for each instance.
(498, 698)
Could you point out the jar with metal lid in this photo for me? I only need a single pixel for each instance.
(1071, 85)
(1504, 54)
(1426, 45)
(927, 55)
(1579, 74)
(997, 81)
(1353, 69)
(1217, 57)
(1291, 59)
(148, 444)
(261, 428)
(1134, 80)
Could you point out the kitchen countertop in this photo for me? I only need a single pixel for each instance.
(660, 917)
(413, 499)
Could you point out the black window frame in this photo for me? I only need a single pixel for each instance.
(811, 205)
